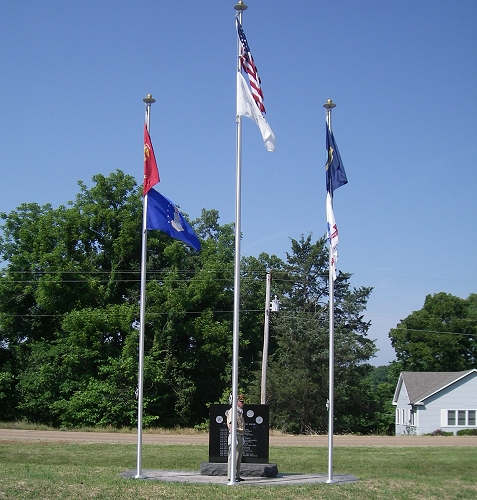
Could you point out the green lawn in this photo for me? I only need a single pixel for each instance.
(47, 470)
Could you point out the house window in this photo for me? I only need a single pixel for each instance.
(461, 418)
(397, 416)
(471, 417)
(451, 417)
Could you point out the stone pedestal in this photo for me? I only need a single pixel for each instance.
(246, 470)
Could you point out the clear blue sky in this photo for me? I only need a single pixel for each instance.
(403, 75)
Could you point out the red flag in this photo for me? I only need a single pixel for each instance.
(151, 173)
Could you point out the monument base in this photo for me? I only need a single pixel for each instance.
(246, 470)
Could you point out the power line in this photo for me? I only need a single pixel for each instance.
(434, 331)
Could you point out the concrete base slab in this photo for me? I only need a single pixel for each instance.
(246, 470)
(194, 477)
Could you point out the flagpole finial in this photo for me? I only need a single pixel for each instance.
(240, 6)
(149, 99)
(329, 104)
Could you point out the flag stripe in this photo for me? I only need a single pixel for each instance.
(246, 107)
(248, 64)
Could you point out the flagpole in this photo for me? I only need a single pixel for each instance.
(142, 314)
(329, 105)
(240, 7)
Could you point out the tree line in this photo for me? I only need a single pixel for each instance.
(69, 310)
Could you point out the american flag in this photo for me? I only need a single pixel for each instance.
(248, 65)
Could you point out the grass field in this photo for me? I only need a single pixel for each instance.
(47, 470)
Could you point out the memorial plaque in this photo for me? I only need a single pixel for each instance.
(256, 437)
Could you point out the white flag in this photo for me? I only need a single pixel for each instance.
(246, 107)
(332, 234)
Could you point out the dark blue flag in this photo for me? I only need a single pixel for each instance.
(335, 173)
(163, 215)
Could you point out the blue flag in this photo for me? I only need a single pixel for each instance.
(163, 215)
(335, 173)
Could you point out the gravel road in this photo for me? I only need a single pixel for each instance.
(275, 440)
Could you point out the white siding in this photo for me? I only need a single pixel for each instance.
(402, 409)
(461, 395)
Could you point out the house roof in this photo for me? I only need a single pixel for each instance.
(421, 385)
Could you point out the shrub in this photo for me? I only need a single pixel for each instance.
(440, 432)
(467, 432)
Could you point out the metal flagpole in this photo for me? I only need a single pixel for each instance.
(142, 314)
(240, 7)
(329, 105)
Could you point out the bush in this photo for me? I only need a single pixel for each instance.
(203, 426)
(440, 432)
(467, 432)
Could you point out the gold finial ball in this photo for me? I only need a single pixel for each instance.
(329, 104)
(240, 6)
(149, 99)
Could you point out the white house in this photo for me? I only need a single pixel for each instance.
(427, 401)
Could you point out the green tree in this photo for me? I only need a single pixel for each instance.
(297, 386)
(69, 312)
(75, 259)
(382, 382)
(60, 372)
(442, 336)
(189, 320)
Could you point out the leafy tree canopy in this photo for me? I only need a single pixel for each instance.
(442, 336)
(297, 387)
(69, 310)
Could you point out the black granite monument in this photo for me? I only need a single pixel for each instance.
(255, 447)
(256, 442)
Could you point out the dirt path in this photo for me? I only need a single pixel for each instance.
(275, 440)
